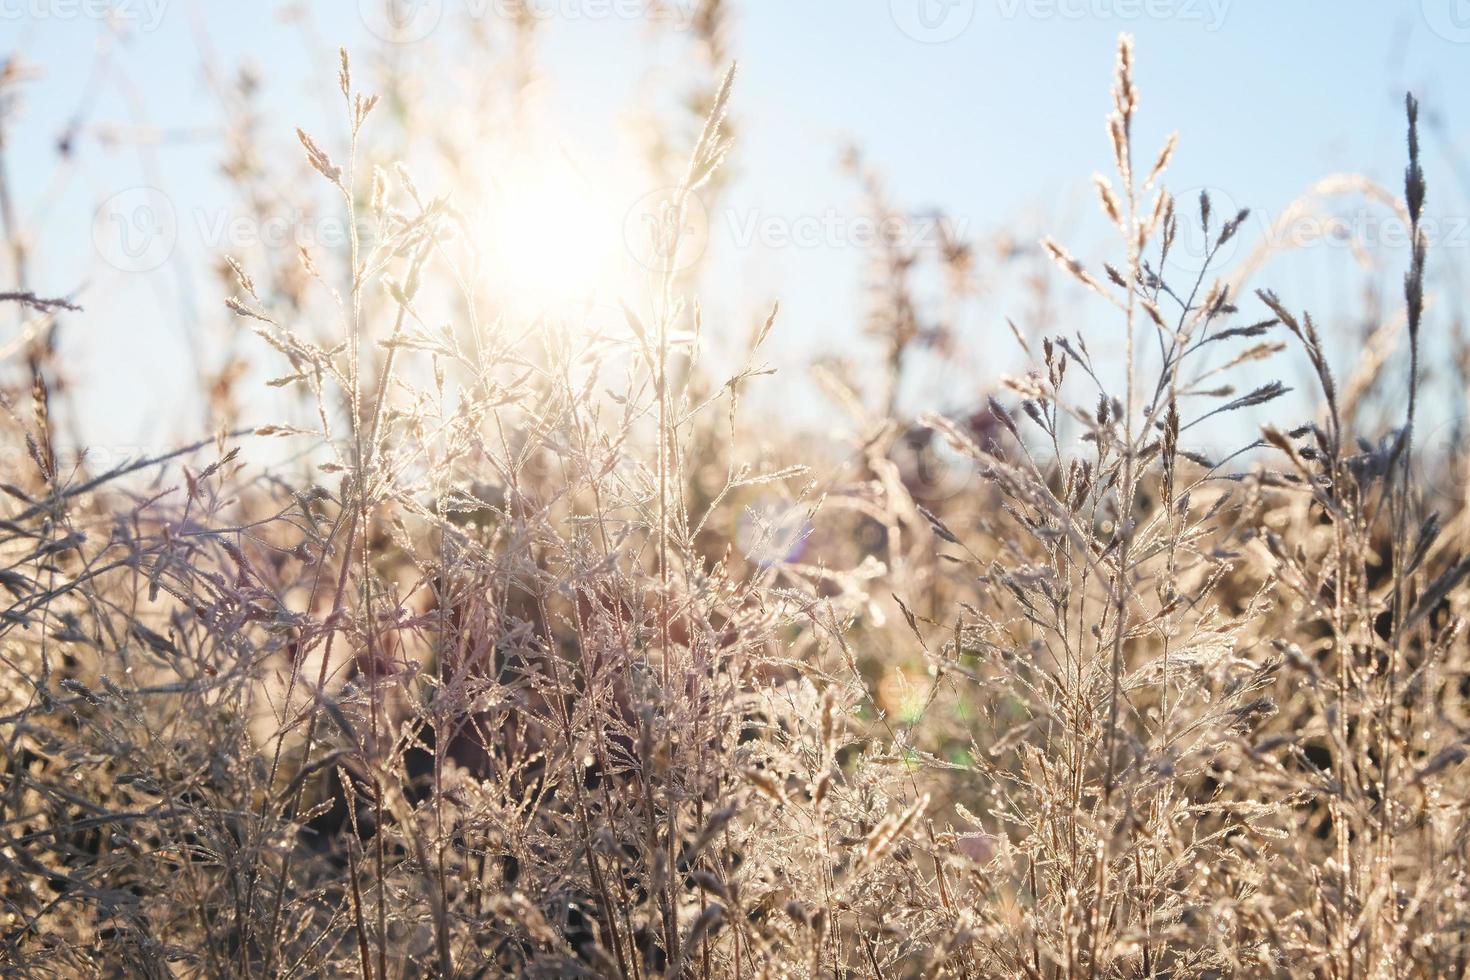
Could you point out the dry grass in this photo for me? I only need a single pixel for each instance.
(541, 668)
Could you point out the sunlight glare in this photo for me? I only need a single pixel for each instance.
(550, 239)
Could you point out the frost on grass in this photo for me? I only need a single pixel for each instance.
(543, 659)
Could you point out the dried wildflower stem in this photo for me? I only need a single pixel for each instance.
(1121, 128)
(1180, 720)
(1392, 743)
(359, 508)
(705, 158)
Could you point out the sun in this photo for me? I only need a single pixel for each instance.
(550, 234)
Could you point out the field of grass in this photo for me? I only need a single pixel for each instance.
(540, 653)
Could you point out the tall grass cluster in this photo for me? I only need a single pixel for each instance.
(549, 659)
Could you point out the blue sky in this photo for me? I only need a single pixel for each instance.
(991, 110)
